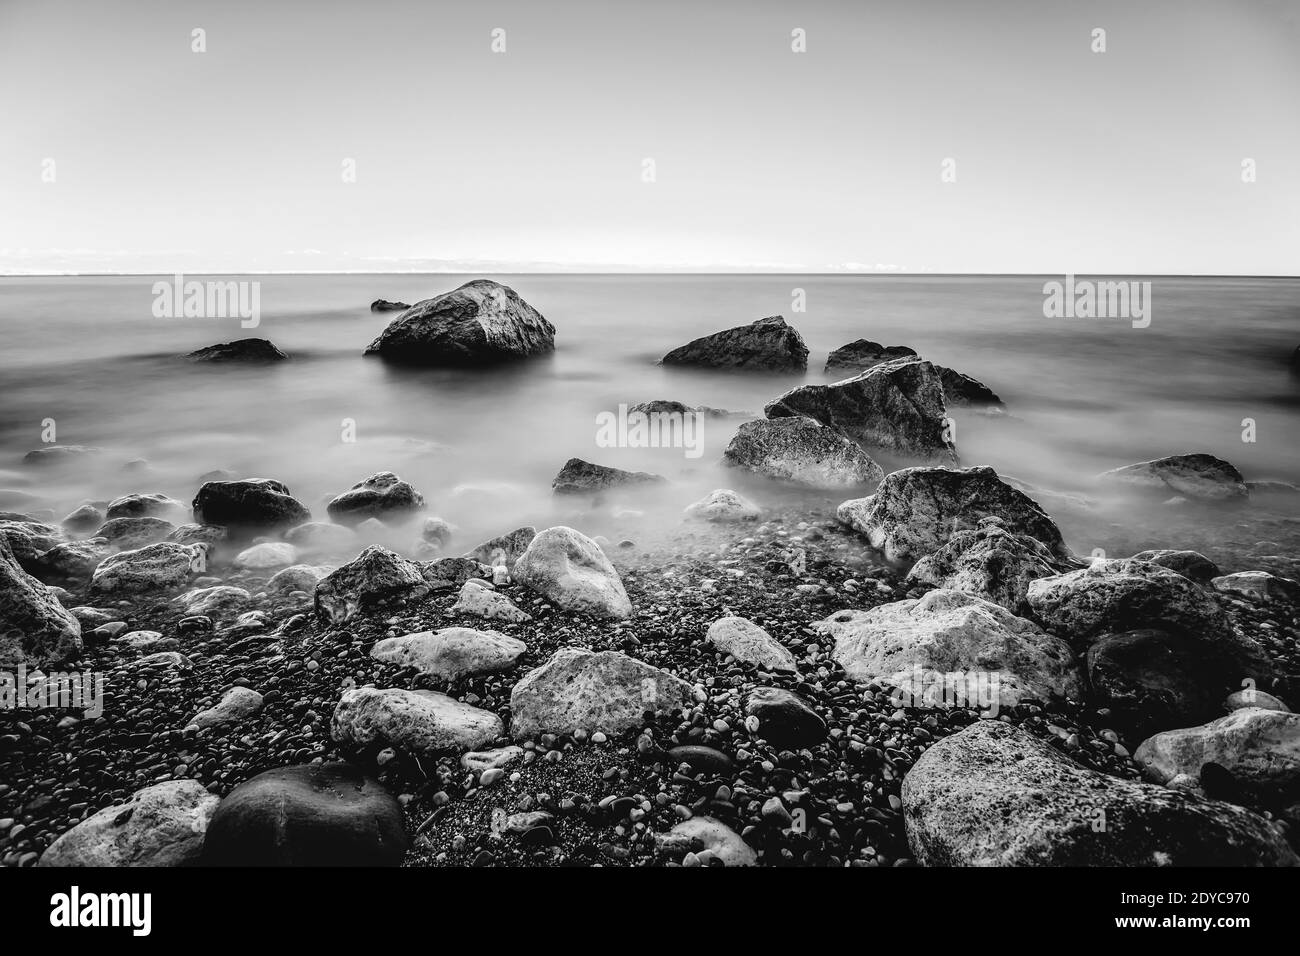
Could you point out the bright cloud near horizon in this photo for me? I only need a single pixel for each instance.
(122, 149)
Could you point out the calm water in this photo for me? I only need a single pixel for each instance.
(483, 446)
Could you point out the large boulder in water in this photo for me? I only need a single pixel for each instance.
(915, 646)
(34, 627)
(383, 305)
(989, 562)
(1191, 476)
(897, 405)
(161, 825)
(242, 350)
(767, 345)
(316, 815)
(382, 495)
(994, 795)
(250, 504)
(582, 477)
(586, 690)
(377, 576)
(802, 451)
(480, 323)
(862, 354)
(567, 567)
(916, 510)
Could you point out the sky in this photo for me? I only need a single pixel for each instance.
(668, 135)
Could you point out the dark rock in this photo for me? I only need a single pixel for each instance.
(1192, 476)
(60, 455)
(960, 389)
(863, 354)
(443, 573)
(383, 305)
(802, 451)
(250, 504)
(768, 344)
(34, 627)
(72, 561)
(316, 815)
(1190, 564)
(376, 577)
(1153, 680)
(705, 759)
(785, 719)
(482, 322)
(85, 518)
(241, 350)
(142, 506)
(582, 477)
(383, 496)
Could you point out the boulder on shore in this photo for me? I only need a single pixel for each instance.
(248, 505)
(382, 495)
(567, 567)
(896, 405)
(161, 825)
(994, 795)
(1191, 476)
(419, 723)
(36, 628)
(582, 477)
(767, 345)
(155, 567)
(802, 451)
(480, 323)
(241, 350)
(376, 577)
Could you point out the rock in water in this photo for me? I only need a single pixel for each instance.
(422, 723)
(802, 451)
(248, 505)
(383, 496)
(569, 568)
(961, 389)
(74, 561)
(60, 455)
(452, 652)
(768, 344)
(155, 567)
(994, 795)
(383, 305)
(143, 506)
(723, 504)
(582, 477)
(746, 641)
(298, 577)
(1153, 680)
(863, 354)
(377, 576)
(504, 550)
(1259, 748)
(242, 350)
(1190, 564)
(1117, 595)
(989, 562)
(1192, 476)
(268, 554)
(897, 405)
(85, 518)
(129, 533)
(916, 510)
(585, 690)
(950, 648)
(161, 825)
(317, 815)
(323, 537)
(480, 323)
(36, 628)
(1259, 585)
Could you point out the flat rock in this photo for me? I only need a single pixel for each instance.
(746, 641)
(130, 533)
(451, 653)
(569, 569)
(1191, 476)
(56, 456)
(579, 477)
(241, 350)
(235, 705)
(802, 451)
(767, 344)
(422, 723)
(863, 354)
(161, 825)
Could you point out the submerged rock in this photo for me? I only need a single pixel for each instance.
(35, 628)
(161, 825)
(268, 554)
(993, 795)
(72, 561)
(241, 350)
(60, 455)
(802, 451)
(250, 504)
(482, 322)
(767, 344)
(1191, 476)
(567, 567)
(322, 537)
(85, 518)
(582, 477)
(723, 504)
(897, 405)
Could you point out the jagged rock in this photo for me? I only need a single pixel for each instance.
(322, 537)
(585, 690)
(72, 561)
(1259, 748)
(161, 825)
(268, 554)
(1190, 564)
(316, 815)
(863, 354)
(961, 389)
(481, 322)
(383, 305)
(582, 477)
(1116, 595)
(785, 719)
(479, 600)
(143, 506)
(706, 835)
(897, 405)
(723, 504)
(250, 504)
(376, 577)
(85, 518)
(160, 566)
(950, 642)
(803, 451)
(568, 568)
(746, 641)
(235, 705)
(916, 510)
(1153, 680)
(421, 723)
(768, 344)
(240, 350)
(504, 550)
(993, 795)
(34, 627)
(1259, 585)
(130, 533)
(60, 455)
(383, 496)
(989, 562)
(451, 653)
(1191, 476)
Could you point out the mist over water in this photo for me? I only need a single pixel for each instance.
(483, 445)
